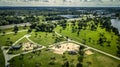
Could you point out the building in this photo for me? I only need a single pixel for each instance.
(16, 47)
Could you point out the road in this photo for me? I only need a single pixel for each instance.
(12, 25)
(92, 48)
(28, 24)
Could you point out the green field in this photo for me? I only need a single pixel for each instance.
(12, 38)
(100, 60)
(43, 58)
(44, 38)
(94, 35)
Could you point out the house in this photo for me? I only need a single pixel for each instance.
(16, 47)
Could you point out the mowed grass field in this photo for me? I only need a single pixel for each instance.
(94, 35)
(43, 58)
(100, 60)
(43, 39)
(12, 37)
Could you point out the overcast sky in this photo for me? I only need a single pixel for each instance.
(74, 3)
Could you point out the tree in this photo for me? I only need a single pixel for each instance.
(79, 65)
(73, 30)
(8, 39)
(63, 23)
(0, 30)
(100, 41)
(46, 34)
(71, 63)
(78, 32)
(108, 43)
(52, 62)
(45, 27)
(60, 30)
(21, 56)
(89, 39)
(29, 31)
(36, 34)
(80, 58)
(4, 33)
(66, 64)
(24, 27)
(15, 29)
(118, 65)
(88, 63)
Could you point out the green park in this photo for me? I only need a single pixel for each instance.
(44, 39)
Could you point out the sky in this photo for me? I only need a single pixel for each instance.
(68, 3)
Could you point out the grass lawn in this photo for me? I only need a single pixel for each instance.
(31, 59)
(42, 39)
(43, 57)
(94, 35)
(13, 38)
(100, 60)
(2, 61)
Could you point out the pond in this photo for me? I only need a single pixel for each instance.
(69, 16)
(116, 23)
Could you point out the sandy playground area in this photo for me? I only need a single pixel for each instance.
(60, 49)
(28, 46)
(88, 52)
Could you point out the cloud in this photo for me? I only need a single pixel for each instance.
(76, 3)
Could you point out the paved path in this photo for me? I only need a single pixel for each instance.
(16, 42)
(92, 48)
(9, 57)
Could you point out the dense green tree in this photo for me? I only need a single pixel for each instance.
(15, 29)
(79, 65)
(63, 23)
(3, 33)
(66, 64)
(29, 31)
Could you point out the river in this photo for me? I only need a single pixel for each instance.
(116, 23)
